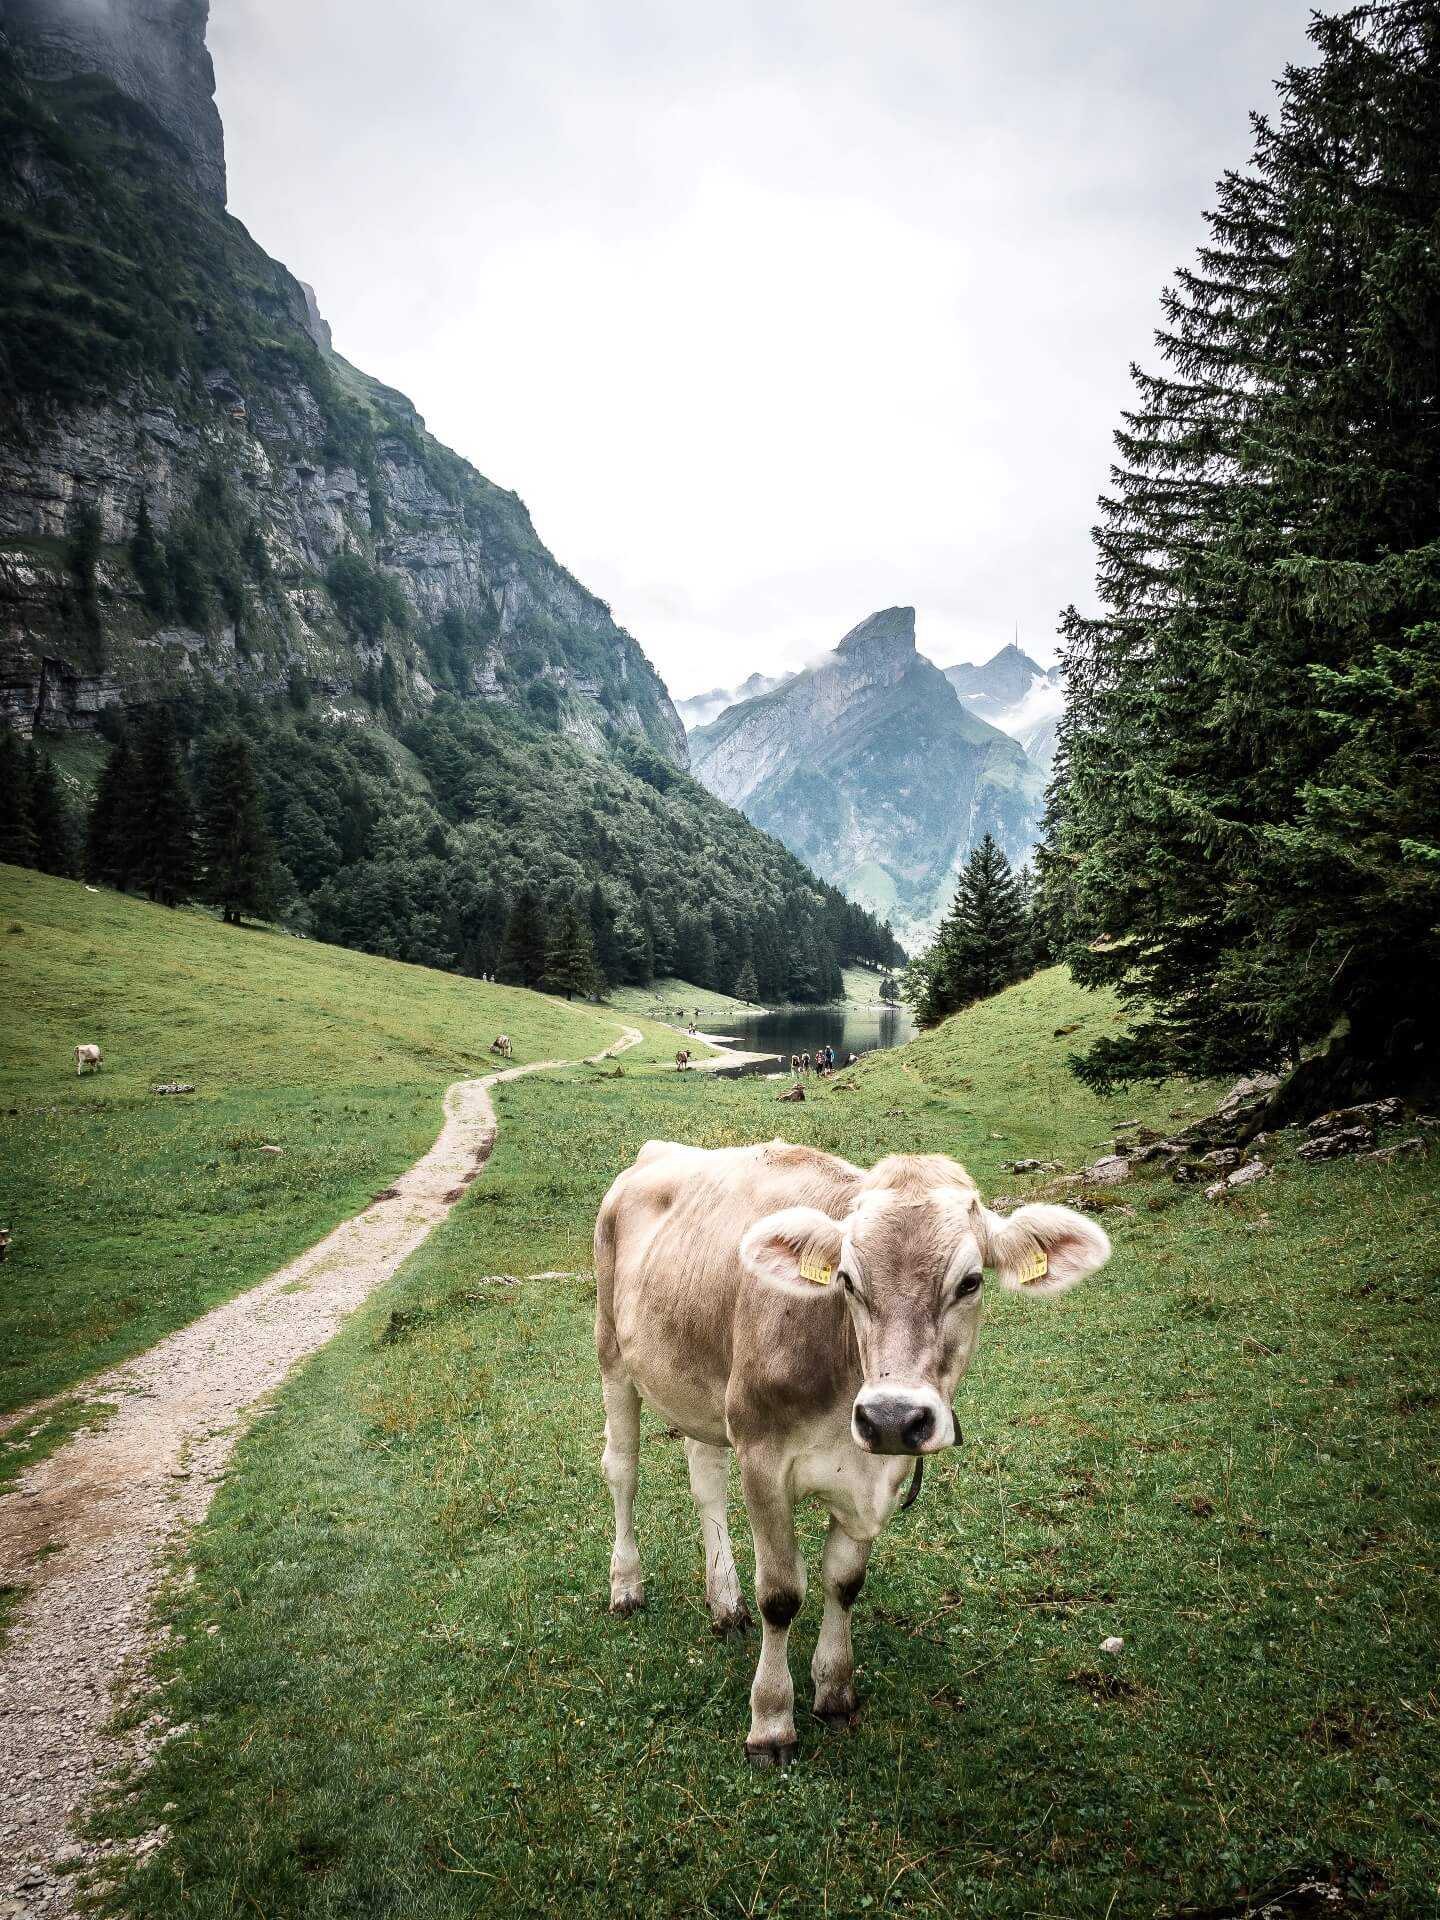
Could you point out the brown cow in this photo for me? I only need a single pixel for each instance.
(817, 1319)
(501, 1045)
(682, 1059)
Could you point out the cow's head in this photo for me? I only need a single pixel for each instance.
(910, 1259)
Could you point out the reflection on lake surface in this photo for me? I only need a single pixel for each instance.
(803, 1029)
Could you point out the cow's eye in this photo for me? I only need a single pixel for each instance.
(969, 1286)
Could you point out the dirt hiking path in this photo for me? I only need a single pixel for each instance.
(87, 1533)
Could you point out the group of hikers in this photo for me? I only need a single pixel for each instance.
(822, 1061)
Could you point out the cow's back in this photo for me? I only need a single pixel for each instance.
(667, 1257)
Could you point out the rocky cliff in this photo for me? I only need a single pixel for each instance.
(153, 50)
(869, 768)
(191, 480)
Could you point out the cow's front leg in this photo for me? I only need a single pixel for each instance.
(709, 1478)
(621, 1462)
(842, 1568)
(779, 1589)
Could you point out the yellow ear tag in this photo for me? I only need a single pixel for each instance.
(818, 1275)
(1035, 1268)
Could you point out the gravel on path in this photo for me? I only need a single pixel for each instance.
(88, 1531)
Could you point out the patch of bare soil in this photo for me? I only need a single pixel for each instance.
(87, 1531)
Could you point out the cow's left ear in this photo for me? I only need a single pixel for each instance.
(1041, 1249)
(797, 1250)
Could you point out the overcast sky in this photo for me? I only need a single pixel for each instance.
(773, 311)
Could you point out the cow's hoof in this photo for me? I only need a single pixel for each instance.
(627, 1604)
(727, 1626)
(838, 1708)
(772, 1753)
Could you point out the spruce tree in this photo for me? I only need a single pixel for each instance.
(237, 854)
(634, 948)
(570, 953)
(1242, 838)
(109, 856)
(981, 945)
(159, 824)
(50, 818)
(147, 558)
(523, 950)
(17, 838)
(747, 987)
(602, 934)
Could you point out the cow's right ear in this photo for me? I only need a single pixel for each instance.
(797, 1250)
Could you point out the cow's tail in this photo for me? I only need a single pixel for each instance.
(607, 1347)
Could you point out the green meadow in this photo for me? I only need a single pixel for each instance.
(132, 1212)
(401, 1694)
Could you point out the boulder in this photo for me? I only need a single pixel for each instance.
(1223, 1157)
(1402, 1150)
(1245, 1176)
(1335, 1146)
(1373, 1114)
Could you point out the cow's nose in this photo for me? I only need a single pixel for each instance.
(893, 1423)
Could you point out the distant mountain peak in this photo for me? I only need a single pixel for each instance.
(892, 629)
(1013, 655)
(869, 762)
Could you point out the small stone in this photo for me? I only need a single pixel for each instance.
(1112, 1643)
(1222, 1157)
(272, 1149)
(1109, 1170)
(1247, 1175)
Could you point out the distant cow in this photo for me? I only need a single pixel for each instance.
(682, 1059)
(87, 1056)
(501, 1045)
(817, 1319)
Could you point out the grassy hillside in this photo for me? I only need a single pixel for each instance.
(131, 1212)
(1223, 1450)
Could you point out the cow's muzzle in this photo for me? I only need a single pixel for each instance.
(902, 1420)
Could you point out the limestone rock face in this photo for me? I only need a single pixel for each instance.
(868, 767)
(153, 50)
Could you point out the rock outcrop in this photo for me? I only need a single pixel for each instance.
(867, 766)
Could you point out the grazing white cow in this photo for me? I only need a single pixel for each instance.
(816, 1319)
(501, 1045)
(87, 1056)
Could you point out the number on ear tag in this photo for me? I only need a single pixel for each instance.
(818, 1274)
(1035, 1268)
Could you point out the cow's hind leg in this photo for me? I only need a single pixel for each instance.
(621, 1462)
(779, 1590)
(842, 1568)
(709, 1480)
